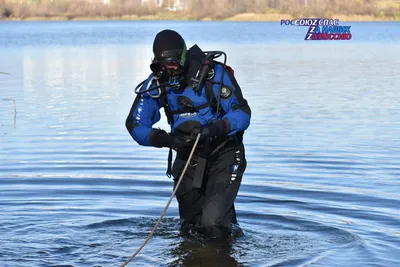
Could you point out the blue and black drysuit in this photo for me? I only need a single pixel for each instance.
(210, 205)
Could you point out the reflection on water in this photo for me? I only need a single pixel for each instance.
(321, 186)
(194, 253)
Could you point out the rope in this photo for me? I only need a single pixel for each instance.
(166, 207)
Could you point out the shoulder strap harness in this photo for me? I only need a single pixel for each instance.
(212, 102)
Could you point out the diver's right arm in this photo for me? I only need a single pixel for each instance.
(143, 115)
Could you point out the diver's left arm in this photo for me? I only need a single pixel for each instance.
(238, 112)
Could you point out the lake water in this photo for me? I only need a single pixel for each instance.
(322, 186)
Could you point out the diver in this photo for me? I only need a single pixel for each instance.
(199, 95)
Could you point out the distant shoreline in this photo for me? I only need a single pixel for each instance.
(243, 17)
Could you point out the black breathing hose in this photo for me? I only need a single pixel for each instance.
(202, 75)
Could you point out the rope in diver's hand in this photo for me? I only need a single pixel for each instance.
(168, 203)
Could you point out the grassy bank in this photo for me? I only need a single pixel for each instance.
(203, 10)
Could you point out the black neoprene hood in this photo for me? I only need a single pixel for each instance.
(169, 45)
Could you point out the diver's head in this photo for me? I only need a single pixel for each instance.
(170, 55)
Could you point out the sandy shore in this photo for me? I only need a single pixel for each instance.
(278, 17)
(171, 16)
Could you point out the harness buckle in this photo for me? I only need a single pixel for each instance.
(193, 163)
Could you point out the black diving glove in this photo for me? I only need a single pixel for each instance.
(217, 129)
(160, 138)
(180, 143)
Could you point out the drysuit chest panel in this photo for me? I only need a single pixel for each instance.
(178, 99)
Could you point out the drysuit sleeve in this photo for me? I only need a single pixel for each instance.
(238, 112)
(144, 113)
